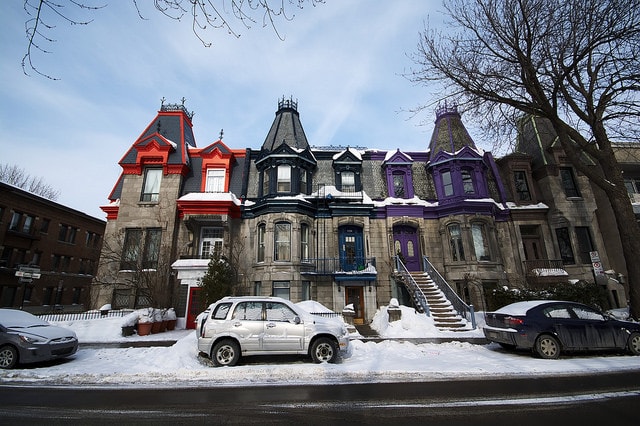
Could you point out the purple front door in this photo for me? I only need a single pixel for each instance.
(405, 240)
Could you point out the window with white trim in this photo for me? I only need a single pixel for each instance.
(284, 178)
(215, 180)
(282, 246)
(211, 240)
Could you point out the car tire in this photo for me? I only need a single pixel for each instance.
(633, 344)
(324, 349)
(547, 347)
(8, 357)
(225, 352)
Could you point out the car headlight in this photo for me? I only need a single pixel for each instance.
(31, 339)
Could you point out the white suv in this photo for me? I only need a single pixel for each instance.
(235, 326)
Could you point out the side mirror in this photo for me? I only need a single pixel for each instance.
(296, 320)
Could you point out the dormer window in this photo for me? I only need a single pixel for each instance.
(348, 181)
(215, 180)
(151, 185)
(522, 187)
(399, 175)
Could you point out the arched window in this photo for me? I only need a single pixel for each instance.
(399, 184)
(480, 241)
(455, 241)
(282, 246)
(305, 253)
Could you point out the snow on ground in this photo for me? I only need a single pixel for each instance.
(390, 360)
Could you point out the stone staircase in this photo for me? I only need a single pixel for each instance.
(444, 316)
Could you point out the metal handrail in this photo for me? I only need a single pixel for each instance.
(411, 285)
(458, 304)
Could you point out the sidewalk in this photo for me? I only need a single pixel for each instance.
(362, 332)
(366, 333)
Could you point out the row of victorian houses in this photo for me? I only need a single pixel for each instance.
(347, 226)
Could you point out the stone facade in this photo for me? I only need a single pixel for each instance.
(331, 224)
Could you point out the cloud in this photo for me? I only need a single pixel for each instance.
(341, 60)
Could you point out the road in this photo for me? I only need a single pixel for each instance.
(582, 400)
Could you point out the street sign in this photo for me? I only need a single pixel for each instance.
(25, 273)
(595, 262)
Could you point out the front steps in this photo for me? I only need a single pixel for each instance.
(444, 316)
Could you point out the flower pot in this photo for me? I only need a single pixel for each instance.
(144, 328)
(127, 330)
(155, 328)
(171, 325)
(163, 326)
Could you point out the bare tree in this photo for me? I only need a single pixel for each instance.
(44, 15)
(143, 282)
(17, 176)
(572, 62)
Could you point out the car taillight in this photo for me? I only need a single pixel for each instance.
(513, 321)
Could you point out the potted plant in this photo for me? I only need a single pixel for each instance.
(145, 322)
(157, 321)
(170, 314)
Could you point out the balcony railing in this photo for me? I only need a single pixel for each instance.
(544, 268)
(336, 265)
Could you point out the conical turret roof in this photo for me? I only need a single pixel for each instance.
(449, 134)
(286, 128)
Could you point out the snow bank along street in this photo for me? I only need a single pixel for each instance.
(387, 361)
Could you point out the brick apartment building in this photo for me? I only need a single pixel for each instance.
(48, 253)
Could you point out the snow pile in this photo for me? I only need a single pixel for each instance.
(412, 324)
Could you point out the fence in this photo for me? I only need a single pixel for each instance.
(90, 315)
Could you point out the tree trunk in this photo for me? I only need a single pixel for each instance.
(630, 238)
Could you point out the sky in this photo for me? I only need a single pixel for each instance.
(365, 361)
(344, 62)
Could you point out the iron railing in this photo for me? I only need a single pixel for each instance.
(458, 304)
(336, 265)
(546, 267)
(90, 315)
(414, 290)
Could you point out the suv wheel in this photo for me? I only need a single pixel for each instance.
(324, 349)
(225, 352)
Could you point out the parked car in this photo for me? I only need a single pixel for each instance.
(237, 326)
(25, 338)
(551, 327)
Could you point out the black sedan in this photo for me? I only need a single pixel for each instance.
(25, 338)
(550, 327)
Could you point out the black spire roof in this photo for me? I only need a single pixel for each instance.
(286, 128)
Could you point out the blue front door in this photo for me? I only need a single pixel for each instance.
(351, 251)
